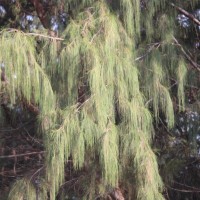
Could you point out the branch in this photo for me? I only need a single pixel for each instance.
(24, 154)
(195, 20)
(45, 36)
(186, 191)
(41, 12)
(194, 64)
(154, 45)
(10, 30)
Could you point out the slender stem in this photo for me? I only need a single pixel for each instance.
(24, 154)
(35, 34)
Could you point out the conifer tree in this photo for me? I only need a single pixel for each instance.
(98, 91)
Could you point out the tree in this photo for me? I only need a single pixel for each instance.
(98, 88)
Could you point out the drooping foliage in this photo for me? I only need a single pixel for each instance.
(25, 77)
(97, 98)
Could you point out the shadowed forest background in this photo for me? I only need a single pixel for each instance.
(100, 99)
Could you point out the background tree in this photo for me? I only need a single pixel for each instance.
(101, 78)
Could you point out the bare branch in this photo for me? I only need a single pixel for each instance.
(195, 20)
(194, 64)
(20, 155)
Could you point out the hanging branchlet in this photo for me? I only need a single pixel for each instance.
(96, 43)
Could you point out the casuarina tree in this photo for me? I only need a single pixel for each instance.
(99, 74)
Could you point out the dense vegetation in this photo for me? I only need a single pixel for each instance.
(99, 99)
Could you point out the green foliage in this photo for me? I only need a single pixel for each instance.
(25, 77)
(181, 74)
(24, 189)
(97, 59)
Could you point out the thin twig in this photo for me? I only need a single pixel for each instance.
(96, 34)
(185, 191)
(18, 128)
(20, 155)
(155, 45)
(188, 186)
(32, 138)
(36, 172)
(35, 34)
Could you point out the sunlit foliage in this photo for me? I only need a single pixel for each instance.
(97, 101)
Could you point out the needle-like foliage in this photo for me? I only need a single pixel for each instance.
(96, 100)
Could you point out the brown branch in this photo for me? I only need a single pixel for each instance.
(3, 76)
(30, 106)
(20, 155)
(45, 36)
(188, 186)
(195, 20)
(185, 191)
(194, 64)
(41, 12)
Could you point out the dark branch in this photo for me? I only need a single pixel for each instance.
(194, 64)
(41, 12)
(195, 20)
